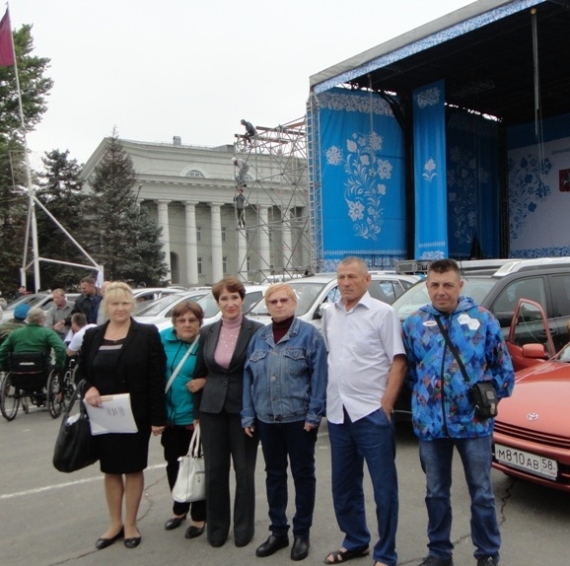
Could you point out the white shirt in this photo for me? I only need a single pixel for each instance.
(361, 344)
(77, 340)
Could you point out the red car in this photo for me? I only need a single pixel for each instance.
(531, 440)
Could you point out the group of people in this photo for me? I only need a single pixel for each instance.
(246, 383)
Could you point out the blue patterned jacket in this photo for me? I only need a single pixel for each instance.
(441, 408)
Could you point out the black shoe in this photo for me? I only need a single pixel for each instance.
(217, 543)
(193, 531)
(433, 561)
(300, 548)
(132, 542)
(488, 561)
(271, 546)
(102, 543)
(174, 523)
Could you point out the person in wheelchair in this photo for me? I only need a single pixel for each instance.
(34, 338)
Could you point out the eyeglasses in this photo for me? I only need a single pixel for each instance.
(276, 301)
(186, 320)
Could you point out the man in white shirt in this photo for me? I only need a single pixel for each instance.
(367, 366)
(79, 326)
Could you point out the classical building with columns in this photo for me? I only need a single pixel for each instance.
(190, 192)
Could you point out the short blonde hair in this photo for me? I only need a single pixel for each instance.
(280, 287)
(36, 315)
(116, 290)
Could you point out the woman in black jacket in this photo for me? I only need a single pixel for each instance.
(221, 359)
(123, 356)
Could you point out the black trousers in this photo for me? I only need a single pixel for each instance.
(176, 441)
(223, 438)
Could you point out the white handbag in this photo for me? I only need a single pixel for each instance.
(191, 479)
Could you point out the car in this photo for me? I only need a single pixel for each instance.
(544, 280)
(212, 313)
(316, 292)
(33, 300)
(160, 311)
(146, 295)
(531, 439)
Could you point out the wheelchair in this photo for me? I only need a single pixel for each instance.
(68, 382)
(31, 378)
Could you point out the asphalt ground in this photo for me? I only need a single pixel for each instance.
(51, 518)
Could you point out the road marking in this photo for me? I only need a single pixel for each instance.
(62, 485)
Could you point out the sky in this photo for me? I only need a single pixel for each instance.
(194, 68)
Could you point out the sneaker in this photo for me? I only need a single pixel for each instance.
(433, 561)
(488, 561)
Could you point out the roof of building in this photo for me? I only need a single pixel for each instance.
(484, 52)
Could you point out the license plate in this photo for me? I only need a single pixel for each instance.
(532, 463)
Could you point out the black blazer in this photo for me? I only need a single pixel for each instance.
(141, 368)
(224, 387)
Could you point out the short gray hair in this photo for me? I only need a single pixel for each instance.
(36, 315)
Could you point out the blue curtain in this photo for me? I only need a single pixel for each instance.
(431, 240)
(472, 186)
(362, 174)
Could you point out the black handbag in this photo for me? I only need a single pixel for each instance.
(483, 394)
(74, 447)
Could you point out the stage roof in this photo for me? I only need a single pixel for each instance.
(484, 52)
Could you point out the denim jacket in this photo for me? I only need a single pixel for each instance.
(285, 382)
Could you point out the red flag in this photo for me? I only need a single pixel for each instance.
(6, 50)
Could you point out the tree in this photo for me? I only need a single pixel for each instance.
(122, 236)
(61, 193)
(35, 87)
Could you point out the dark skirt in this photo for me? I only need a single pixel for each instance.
(124, 453)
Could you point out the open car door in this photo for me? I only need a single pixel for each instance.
(529, 341)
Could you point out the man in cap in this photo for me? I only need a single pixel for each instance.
(20, 314)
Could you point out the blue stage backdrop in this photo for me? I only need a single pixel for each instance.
(472, 185)
(431, 240)
(362, 172)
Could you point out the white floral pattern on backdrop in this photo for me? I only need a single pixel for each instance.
(364, 188)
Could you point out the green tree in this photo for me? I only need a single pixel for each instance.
(61, 193)
(34, 87)
(123, 237)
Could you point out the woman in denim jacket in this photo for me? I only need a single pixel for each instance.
(284, 394)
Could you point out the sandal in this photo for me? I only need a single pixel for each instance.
(339, 556)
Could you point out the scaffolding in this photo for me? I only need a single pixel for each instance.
(276, 191)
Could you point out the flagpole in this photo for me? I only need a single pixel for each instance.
(29, 185)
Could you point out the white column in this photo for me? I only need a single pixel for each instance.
(242, 255)
(216, 219)
(191, 244)
(165, 237)
(264, 249)
(286, 239)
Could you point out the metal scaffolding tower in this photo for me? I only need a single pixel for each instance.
(277, 191)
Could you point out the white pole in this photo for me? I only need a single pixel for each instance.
(29, 186)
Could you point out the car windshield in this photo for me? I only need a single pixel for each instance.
(306, 293)
(417, 296)
(159, 305)
(209, 305)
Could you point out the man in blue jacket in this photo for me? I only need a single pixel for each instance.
(443, 412)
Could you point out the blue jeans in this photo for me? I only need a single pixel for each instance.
(278, 442)
(371, 438)
(436, 457)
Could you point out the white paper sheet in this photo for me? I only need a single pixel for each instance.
(114, 415)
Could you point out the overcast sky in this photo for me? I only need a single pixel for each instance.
(194, 68)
